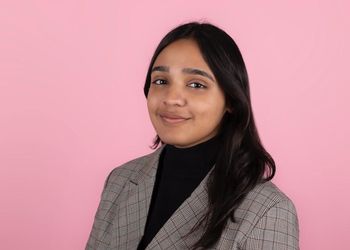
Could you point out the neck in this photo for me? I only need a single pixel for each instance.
(198, 158)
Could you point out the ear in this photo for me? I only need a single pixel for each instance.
(229, 110)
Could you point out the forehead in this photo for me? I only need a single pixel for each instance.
(182, 53)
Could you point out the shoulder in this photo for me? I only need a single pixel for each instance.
(267, 211)
(261, 199)
(131, 169)
(265, 195)
(113, 189)
(118, 178)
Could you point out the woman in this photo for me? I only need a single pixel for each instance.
(208, 185)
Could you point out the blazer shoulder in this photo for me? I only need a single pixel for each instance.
(268, 192)
(263, 197)
(114, 185)
(258, 205)
(132, 168)
(118, 177)
(270, 219)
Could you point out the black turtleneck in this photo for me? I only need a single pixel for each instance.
(180, 170)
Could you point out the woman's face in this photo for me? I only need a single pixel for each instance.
(184, 101)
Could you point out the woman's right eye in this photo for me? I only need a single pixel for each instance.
(159, 81)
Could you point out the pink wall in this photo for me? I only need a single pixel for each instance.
(72, 106)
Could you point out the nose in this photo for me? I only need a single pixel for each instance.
(174, 96)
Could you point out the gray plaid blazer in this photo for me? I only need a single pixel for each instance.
(266, 219)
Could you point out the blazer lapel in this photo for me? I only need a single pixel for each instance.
(134, 206)
(134, 210)
(171, 235)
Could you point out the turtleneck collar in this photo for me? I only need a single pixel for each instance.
(179, 172)
(194, 160)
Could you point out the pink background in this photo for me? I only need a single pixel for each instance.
(72, 106)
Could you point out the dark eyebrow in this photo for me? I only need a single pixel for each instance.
(185, 70)
(197, 72)
(161, 68)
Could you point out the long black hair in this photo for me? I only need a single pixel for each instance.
(242, 162)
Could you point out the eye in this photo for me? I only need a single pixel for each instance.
(198, 85)
(159, 81)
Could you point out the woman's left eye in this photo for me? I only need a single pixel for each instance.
(197, 85)
(158, 81)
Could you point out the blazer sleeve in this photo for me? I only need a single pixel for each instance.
(277, 229)
(100, 237)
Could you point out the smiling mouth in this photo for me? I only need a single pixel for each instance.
(173, 120)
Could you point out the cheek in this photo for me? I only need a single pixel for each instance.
(153, 107)
(151, 103)
(211, 108)
(211, 117)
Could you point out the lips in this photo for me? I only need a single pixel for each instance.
(172, 117)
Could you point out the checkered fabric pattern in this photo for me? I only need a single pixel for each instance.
(266, 219)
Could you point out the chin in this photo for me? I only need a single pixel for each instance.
(176, 141)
